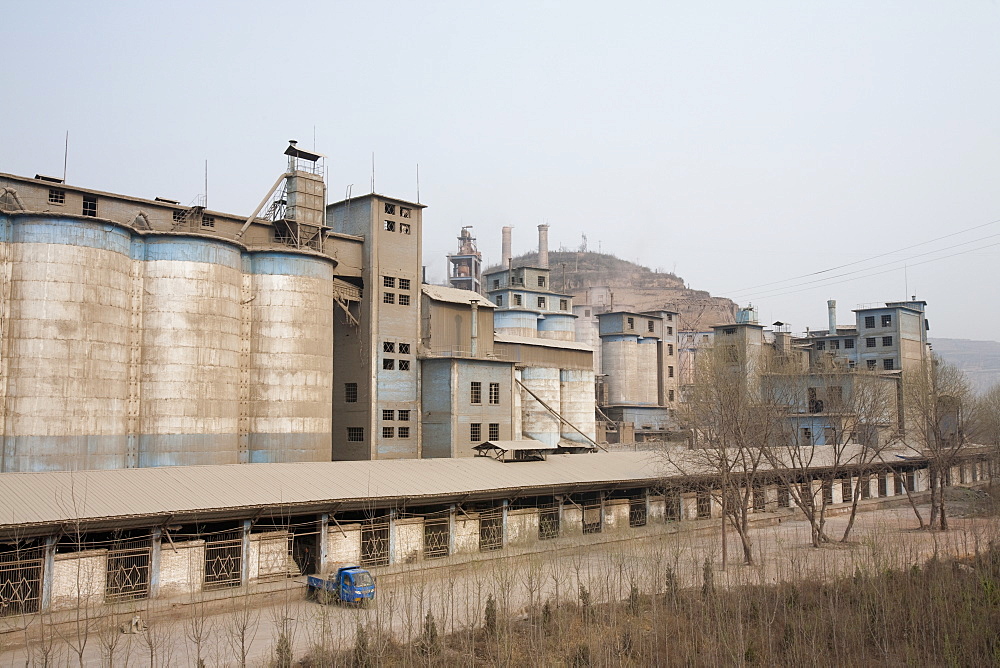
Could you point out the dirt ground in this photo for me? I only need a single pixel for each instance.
(456, 588)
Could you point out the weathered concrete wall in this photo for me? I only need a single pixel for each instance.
(522, 526)
(408, 546)
(78, 580)
(343, 547)
(572, 521)
(466, 534)
(657, 508)
(615, 514)
(182, 567)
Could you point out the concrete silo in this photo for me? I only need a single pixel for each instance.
(619, 355)
(576, 401)
(647, 375)
(536, 421)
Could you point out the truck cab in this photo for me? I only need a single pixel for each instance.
(347, 583)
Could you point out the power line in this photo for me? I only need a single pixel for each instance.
(869, 259)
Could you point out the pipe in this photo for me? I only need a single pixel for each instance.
(831, 308)
(475, 328)
(543, 246)
(505, 247)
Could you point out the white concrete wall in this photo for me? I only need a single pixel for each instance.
(522, 526)
(408, 546)
(572, 521)
(267, 556)
(657, 509)
(615, 515)
(78, 579)
(182, 567)
(466, 534)
(342, 547)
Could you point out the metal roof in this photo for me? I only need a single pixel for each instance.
(32, 499)
(501, 337)
(529, 444)
(455, 295)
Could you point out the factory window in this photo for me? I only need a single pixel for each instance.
(494, 393)
(807, 435)
(496, 283)
(404, 365)
(649, 325)
(494, 431)
(403, 432)
(670, 395)
(670, 331)
(670, 317)
(586, 313)
(404, 284)
(404, 300)
(835, 344)
(476, 392)
(404, 228)
(388, 364)
(57, 196)
(870, 322)
(390, 209)
(390, 226)
(388, 432)
(403, 416)
(178, 216)
(670, 349)
(870, 342)
(517, 300)
(871, 364)
(888, 364)
(631, 323)
(475, 432)
(849, 344)
(355, 434)
(731, 331)
(388, 414)
(499, 300)
(388, 282)
(541, 281)
(886, 340)
(851, 364)
(541, 302)
(887, 321)
(821, 345)
(404, 348)
(208, 221)
(89, 205)
(351, 393)
(563, 304)
(703, 505)
(670, 372)
(388, 298)
(846, 493)
(404, 212)
(388, 347)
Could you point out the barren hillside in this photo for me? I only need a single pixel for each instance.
(634, 287)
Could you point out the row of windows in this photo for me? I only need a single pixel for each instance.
(870, 342)
(391, 281)
(392, 346)
(395, 432)
(404, 212)
(58, 196)
(476, 393)
(390, 226)
(496, 282)
(888, 364)
(540, 301)
(392, 364)
(401, 416)
(393, 298)
(476, 432)
(870, 321)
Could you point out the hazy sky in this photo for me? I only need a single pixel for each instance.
(738, 144)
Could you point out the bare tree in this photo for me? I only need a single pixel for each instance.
(939, 405)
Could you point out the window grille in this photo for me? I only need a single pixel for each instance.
(127, 574)
(491, 530)
(637, 512)
(224, 560)
(437, 536)
(21, 581)
(375, 543)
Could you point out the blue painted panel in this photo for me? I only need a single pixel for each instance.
(284, 448)
(615, 338)
(290, 264)
(189, 249)
(71, 232)
(555, 322)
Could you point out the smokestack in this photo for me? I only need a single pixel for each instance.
(505, 247)
(831, 307)
(543, 246)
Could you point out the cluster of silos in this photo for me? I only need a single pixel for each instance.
(124, 349)
(630, 365)
(568, 392)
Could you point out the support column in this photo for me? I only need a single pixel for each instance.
(451, 529)
(324, 549)
(47, 572)
(392, 535)
(503, 525)
(245, 556)
(154, 562)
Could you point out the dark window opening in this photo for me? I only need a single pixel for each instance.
(494, 431)
(57, 196)
(351, 393)
(89, 205)
(355, 434)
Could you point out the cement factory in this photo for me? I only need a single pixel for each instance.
(195, 400)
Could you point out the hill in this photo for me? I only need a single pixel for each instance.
(980, 360)
(633, 287)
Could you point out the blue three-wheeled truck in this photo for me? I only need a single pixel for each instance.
(347, 583)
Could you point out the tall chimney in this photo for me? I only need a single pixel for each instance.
(831, 307)
(505, 252)
(543, 246)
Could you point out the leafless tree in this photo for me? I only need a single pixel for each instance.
(939, 407)
(241, 626)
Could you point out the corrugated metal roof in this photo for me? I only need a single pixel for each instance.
(548, 343)
(455, 295)
(53, 497)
